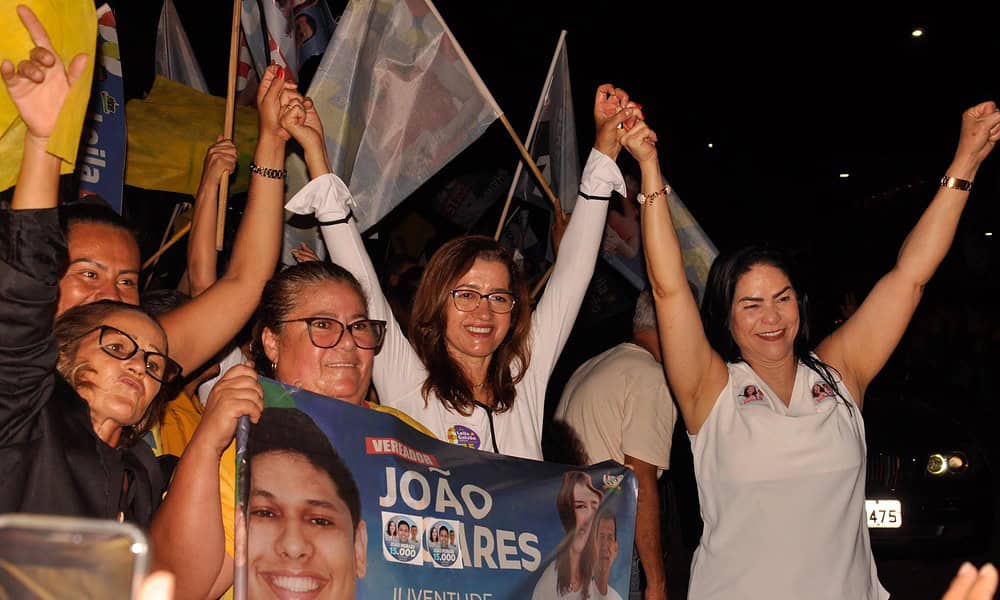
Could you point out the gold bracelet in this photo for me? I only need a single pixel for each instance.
(955, 183)
(648, 199)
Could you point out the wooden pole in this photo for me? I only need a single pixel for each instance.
(234, 50)
(177, 237)
(541, 282)
(531, 165)
(178, 209)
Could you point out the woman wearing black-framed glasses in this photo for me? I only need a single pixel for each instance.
(75, 393)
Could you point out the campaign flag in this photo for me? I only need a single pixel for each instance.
(313, 25)
(401, 515)
(254, 35)
(398, 98)
(552, 139)
(72, 29)
(622, 243)
(102, 160)
(278, 29)
(174, 162)
(246, 76)
(175, 58)
(551, 142)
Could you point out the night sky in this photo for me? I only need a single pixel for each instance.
(788, 101)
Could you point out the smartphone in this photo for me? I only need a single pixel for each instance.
(46, 557)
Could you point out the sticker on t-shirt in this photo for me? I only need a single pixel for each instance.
(751, 394)
(821, 391)
(401, 538)
(461, 435)
(441, 543)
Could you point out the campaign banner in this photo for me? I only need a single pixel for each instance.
(102, 159)
(343, 501)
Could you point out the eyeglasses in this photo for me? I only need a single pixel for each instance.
(325, 332)
(468, 300)
(118, 344)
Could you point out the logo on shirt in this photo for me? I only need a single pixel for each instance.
(460, 435)
(821, 391)
(751, 395)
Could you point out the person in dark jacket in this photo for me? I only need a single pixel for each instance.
(74, 396)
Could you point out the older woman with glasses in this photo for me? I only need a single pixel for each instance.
(478, 359)
(74, 396)
(312, 331)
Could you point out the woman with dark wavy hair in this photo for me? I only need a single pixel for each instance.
(781, 469)
(477, 363)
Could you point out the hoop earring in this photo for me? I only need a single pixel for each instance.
(274, 367)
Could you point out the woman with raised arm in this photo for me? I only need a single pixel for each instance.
(477, 362)
(76, 396)
(781, 472)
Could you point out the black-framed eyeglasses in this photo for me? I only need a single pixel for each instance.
(325, 332)
(467, 300)
(118, 344)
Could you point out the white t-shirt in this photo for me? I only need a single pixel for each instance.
(618, 403)
(782, 495)
(399, 373)
(547, 588)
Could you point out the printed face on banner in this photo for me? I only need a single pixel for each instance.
(451, 522)
(303, 543)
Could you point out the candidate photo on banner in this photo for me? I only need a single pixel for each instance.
(348, 502)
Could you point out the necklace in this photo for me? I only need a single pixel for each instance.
(477, 386)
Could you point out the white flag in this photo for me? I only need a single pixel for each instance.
(175, 59)
(399, 100)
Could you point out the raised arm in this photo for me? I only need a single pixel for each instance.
(696, 372)
(38, 87)
(198, 329)
(202, 257)
(398, 369)
(187, 530)
(32, 248)
(580, 243)
(861, 346)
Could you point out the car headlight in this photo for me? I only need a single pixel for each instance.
(943, 463)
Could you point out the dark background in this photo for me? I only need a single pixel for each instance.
(789, 100)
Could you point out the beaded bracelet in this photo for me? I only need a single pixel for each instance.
(267, 172)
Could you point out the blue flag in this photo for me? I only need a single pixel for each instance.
(102, 155)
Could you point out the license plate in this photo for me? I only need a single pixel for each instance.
(883, 514)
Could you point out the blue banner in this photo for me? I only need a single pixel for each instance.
(102, 156)
(349, 502)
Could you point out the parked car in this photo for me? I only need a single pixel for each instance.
(929, 489)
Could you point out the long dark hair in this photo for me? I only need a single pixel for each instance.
(720, 291)
(75, 323)
(282, 294)
(429, 322)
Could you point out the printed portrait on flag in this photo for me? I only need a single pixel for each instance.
(348, 502)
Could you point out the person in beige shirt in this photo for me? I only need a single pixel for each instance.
(619, 405)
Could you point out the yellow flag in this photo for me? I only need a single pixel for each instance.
(72, 28)
(171, 129)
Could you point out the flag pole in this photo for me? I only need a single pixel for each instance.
(176, 238)
(531, 132)
(234, 49)
(496, 107)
